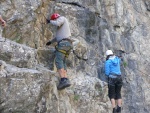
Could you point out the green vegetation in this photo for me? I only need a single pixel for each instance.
(76, 97)
(125, 64)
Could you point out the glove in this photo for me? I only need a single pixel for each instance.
(48, 43)
(47, 21)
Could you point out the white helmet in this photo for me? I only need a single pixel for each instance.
(109, 52)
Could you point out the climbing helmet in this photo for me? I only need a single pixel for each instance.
(109, 52)
(54, 16)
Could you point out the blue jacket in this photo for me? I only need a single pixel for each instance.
(112, 66)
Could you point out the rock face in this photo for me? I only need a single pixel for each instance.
(27, 82)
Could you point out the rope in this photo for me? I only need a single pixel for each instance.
(80, 58)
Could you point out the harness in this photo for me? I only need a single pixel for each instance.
(66, 52)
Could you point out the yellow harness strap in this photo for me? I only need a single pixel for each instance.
(63, 51)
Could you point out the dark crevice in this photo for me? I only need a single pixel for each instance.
(116, 27)
(147, 5)
(73, 3)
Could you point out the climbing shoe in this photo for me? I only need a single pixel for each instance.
(114, 110)
(63, 84)
(68, 82)
(118, 109)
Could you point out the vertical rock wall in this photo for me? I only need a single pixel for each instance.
(99, 25)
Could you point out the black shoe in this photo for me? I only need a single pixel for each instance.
(68, 83)
(118, 109)
(63, 84)
(114, 110)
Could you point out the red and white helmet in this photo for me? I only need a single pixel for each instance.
(54, 16)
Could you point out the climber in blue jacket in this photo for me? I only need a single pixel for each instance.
(113, 72)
